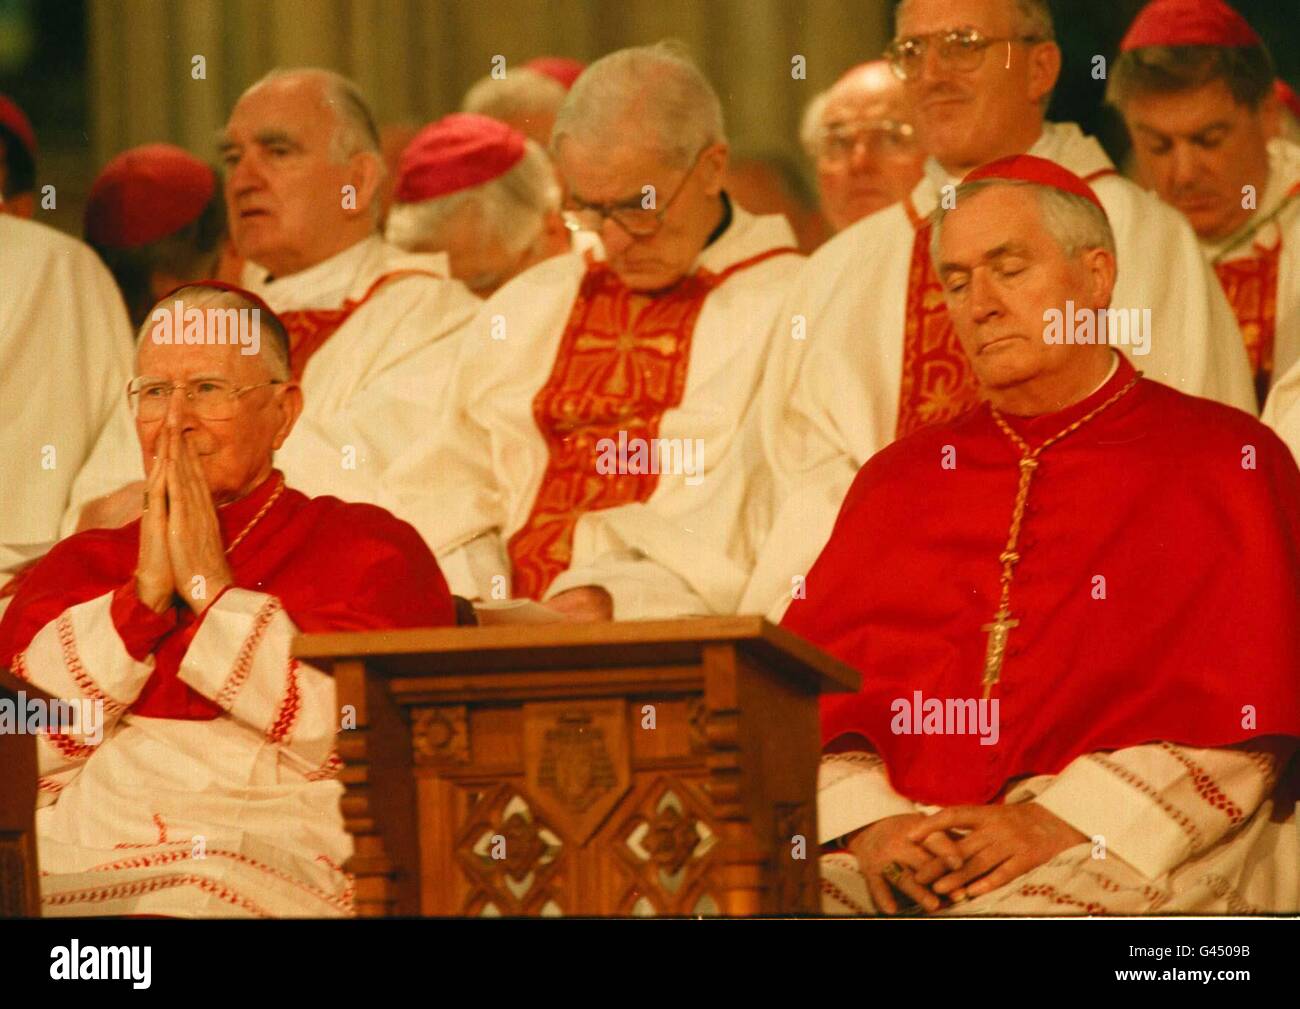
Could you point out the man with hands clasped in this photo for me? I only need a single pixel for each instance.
(208, 784)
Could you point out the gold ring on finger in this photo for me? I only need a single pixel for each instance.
(893, 872)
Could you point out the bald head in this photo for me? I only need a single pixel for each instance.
(336, 96)
(863, 142)
(303, 169)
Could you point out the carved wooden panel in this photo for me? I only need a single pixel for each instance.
(666, 839)
(576, 762)
(440, 735)
(510, 855)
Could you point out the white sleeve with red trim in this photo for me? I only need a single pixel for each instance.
(1158, 804)
(853, 791)
(240, 659)
(80, 657)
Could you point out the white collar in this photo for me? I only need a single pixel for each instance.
(325, 285)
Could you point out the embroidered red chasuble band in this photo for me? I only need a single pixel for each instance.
(621, 364)
(937, 384)
(1251, 286)
(309, 328)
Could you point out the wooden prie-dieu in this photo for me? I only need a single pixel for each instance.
(625, 768)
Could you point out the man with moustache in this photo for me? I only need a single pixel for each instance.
(872, 355)
(546, 485)
(372, 329)
(860, 135)
(209, 788)
(1195, 85)
(1135, 633)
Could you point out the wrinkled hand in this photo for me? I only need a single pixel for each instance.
(892, 840)
(1003, 842)
(154, 581)
(113, 510)
(585, 604)
(198, 557)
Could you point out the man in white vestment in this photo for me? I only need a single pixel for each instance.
(373, 330)
(871, 355)
(594, 455)
(65, 344)
(198, 776)
(1194, 83)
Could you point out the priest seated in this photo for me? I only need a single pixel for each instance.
(1076, 609)
(208, 785)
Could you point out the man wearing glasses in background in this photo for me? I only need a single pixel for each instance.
(860, 135)
(880, 358)
(594, 454)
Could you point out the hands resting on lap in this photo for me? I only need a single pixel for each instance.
(958, 853)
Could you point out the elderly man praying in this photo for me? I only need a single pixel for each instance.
(209, 787)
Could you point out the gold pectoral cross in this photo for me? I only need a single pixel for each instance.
(998, 632)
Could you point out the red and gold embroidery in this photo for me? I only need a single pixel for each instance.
(938, 383)
(1251, 286)
(309, 328)
(621, 365)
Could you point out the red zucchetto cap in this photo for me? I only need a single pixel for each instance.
(457, 152)
(13, 119)
(146, 194)
(1040, 171)
(558, 68)
(1189, 23)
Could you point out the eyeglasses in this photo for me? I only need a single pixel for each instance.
(959, 49)
(632, 216)
(211, 398)
(883, 138)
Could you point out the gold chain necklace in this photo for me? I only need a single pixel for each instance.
(275, 495)
(1000, 627)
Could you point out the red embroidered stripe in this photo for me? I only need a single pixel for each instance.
(244, 660)
(1175, 814)
(67, 746)
(330, 769)
(1056, 897)
(97, 895)
(68, 642)
(1206, 787)
(287, 715)
(343, 903)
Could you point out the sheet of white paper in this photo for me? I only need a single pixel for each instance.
(514, 611)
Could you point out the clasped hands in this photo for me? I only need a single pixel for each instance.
(958, 853)
(181, 552)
